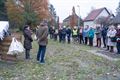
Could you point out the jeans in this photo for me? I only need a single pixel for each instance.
(104, 41)
(86, 40)
(63, 37)
(81, 39)
(60, 37)
(98, 42)
(68, 39)
(118, 47)
(90, 41)
(41, 53)
(55, 37)
(27, 53)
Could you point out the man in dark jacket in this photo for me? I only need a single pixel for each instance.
(68, 32)
(104, 35)
(118, 40)
(51, 32)
(42, 35)
(60, 34)
(27, 41)
(64, 34)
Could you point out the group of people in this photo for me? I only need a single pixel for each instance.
(108, 35)
(41, 36)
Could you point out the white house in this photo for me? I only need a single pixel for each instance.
(90, 20)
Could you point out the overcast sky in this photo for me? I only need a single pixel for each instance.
(64, 7)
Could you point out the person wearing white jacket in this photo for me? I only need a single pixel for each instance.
(111, 33)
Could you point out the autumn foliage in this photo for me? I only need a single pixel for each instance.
(14, 14)
(40, 7)
(27, 10)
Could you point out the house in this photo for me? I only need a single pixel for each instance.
(94, 15)
(72, 20)
(66, 21)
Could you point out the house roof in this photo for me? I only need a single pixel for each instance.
(93, 14)
(116, 19)
(68, 18)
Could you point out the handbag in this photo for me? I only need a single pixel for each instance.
(35, 37)
(113, 39)
(15, 47)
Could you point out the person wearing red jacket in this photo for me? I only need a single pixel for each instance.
(118, 39)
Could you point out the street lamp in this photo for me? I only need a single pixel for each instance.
(78, 16)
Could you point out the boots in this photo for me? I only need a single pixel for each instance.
(107, 48)
(111, 50)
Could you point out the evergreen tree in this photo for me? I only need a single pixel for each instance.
(29, 14)
(53, 15)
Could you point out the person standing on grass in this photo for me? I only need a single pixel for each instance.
(27, 40)
(64, 34)
(80, 34)
(118, 39)
(91, 36)
(51, 32)
(42, 37)
(98, 36)
(104, 35)
(68, 32)
(56, 35)
(110, 42)
(60, 34)
(75, 34)
(85, 34)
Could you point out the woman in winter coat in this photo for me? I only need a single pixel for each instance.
(98, 36)
(118, 39)
(110, 35)
(80, 35)
(91, 36)
(85, 34)
(27, 41)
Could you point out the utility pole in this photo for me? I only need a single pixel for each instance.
(78, 16)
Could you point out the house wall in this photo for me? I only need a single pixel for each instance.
(92, 23)
(65, 23)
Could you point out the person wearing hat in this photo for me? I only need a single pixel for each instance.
(111, 42)
(42, 34)
(27, 40)
(118, 39)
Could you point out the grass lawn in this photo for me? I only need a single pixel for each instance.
(63, 62)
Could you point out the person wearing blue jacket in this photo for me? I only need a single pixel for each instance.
(85, 34)
(91, 36)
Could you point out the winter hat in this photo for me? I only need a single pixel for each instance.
(118, 26)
